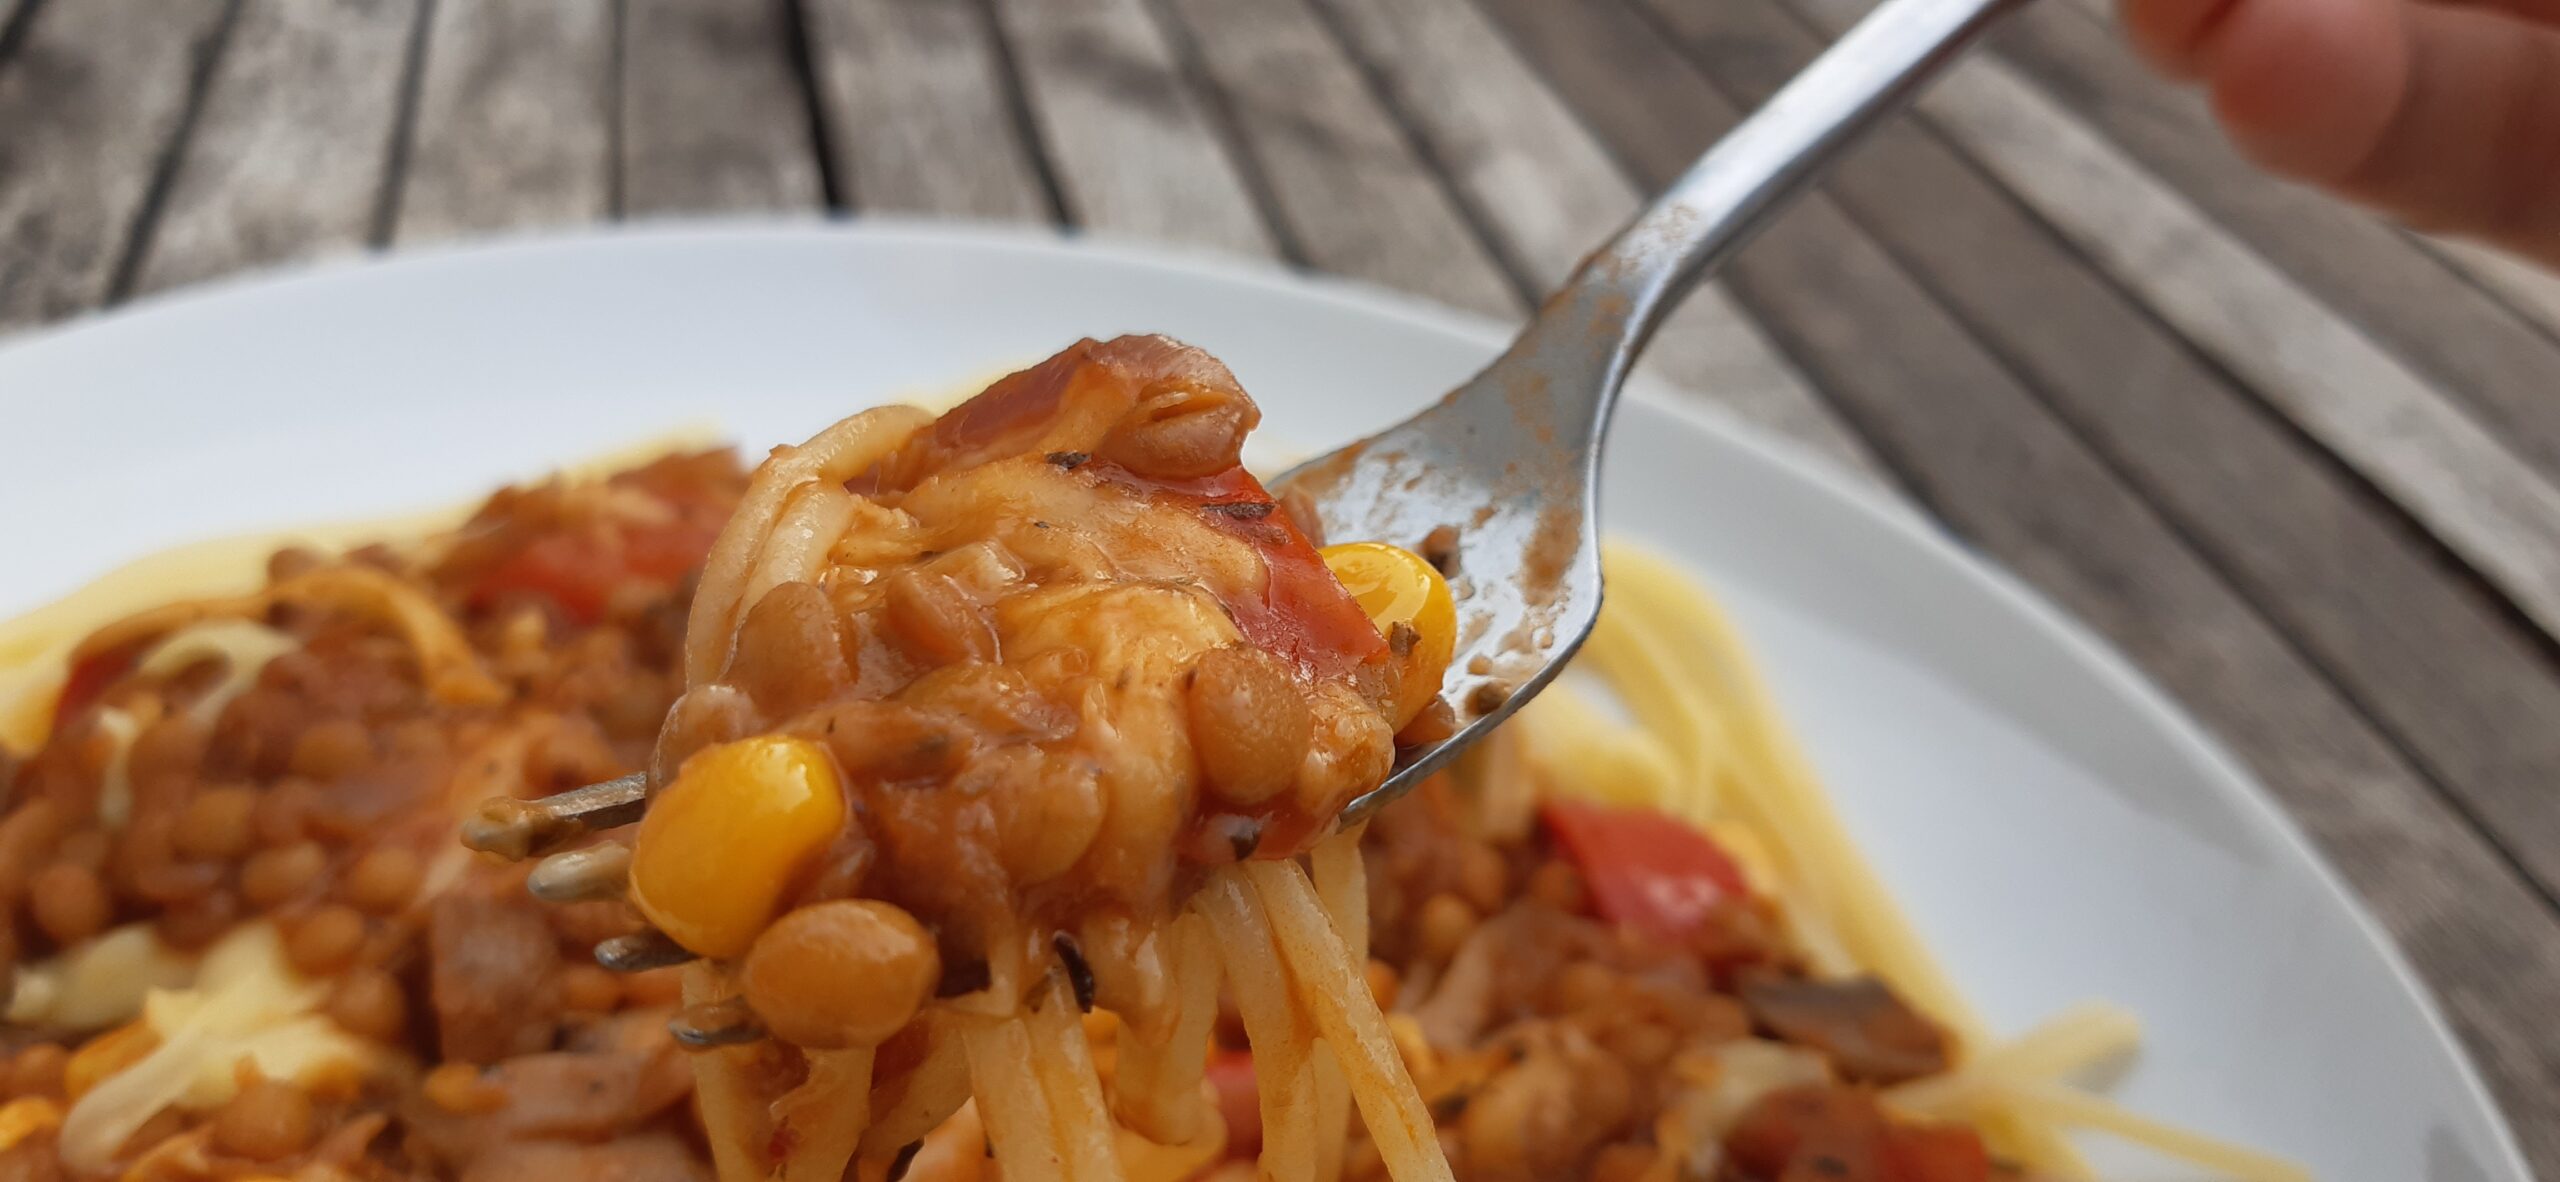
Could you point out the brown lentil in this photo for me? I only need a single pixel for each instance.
(384, 879)
(273, 876)
(219, 824)
(283, 813)
(37, 1070)
(24, 836)
(87, 847)
(1383, 984)
(1559, 886)
(1446, 920)
(461, 1087)
(369, 1003)
(190, 925)
(69, 902)
(1250, 723)
(657, 987)
(331, 750)
(325, 941)
(589, 989)
(265, 1121)
(1482, 878)
(840, 974)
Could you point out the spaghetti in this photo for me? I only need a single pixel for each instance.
(993, 762)
(1073, 693)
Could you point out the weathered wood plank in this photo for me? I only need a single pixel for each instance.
(916, 107)
(88, 108)
(1130, 144)
(288, 154)
(2448, 673)
(2450, 678)
(514, 127)
(2442, 466)
(713, 119)
(2529, 288)
(1545, 193)
(1346, 185)
(2440, 326)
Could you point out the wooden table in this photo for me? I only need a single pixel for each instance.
(2299, 464)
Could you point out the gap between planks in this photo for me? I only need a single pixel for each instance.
(2434, 657)
(2369, 409)
(91, 103)
(2469, 346)
(286, 159)
(2445, 891)
(1547, 193)
(921, 107)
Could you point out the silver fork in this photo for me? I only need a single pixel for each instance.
(1509, 462)
(1511, 459)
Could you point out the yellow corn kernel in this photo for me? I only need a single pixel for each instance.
(106, 1055)
(719, 846)
(25, 1117)
(1396, 586)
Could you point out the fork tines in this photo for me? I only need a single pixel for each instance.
(518, 829)
(640, 952)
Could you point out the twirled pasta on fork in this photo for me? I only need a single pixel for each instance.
(1027, 712)
(991, 768)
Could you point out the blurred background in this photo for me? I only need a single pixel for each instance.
(2298, 463)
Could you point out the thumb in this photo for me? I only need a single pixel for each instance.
(2446, 116)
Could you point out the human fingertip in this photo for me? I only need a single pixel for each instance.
(2169, 33)
(2308, 87)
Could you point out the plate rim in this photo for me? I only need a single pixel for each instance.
(1823, 476)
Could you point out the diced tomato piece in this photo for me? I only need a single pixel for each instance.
(579, 571)
(88, 681)
(1645, 869)
(1013, 403)
(1304, 615)
(1936, 1153)
(1795, 1123)
(1802, 1134)
(1239, 1102)
(1841, 1134)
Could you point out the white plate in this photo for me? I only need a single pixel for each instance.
(2058, 829)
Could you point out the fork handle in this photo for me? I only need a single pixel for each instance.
(1614, 300)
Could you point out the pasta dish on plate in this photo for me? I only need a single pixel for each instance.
(994, 762)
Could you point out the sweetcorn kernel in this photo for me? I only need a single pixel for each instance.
(719, 846)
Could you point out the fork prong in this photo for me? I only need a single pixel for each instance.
(590, 872)
(640, 952)
(723, 1023)
(518, 829)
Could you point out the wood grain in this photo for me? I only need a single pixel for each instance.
(2467, 345)
(2448, 673)
(2452, 681)
(1346, 185)
(2528, 287)
(1545, 192)
(2445, 468)
(89, 106)
(1132, 148)
(916, 109)
(514, 122)
(287, 158)
(713, 118)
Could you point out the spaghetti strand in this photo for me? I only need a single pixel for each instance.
(1338, 997)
